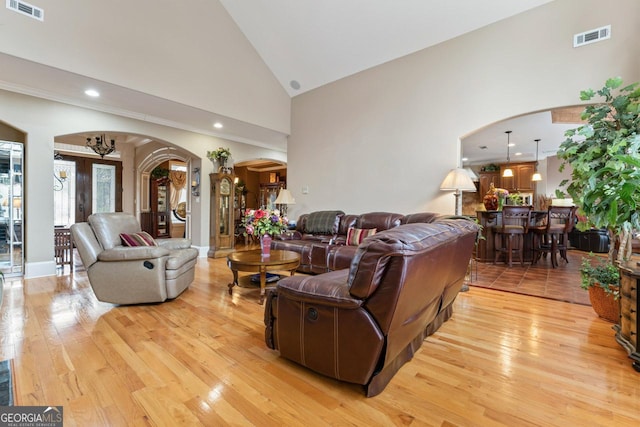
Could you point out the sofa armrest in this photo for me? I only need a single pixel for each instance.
(174, 243)
(328, 289)
(121, 253)
(289, 235)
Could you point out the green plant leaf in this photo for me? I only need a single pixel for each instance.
(586, 95)
(614, 82)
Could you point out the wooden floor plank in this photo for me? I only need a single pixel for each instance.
(503, 359)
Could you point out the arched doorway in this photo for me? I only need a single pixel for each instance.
(165, 191)
(260, 180)
(484, 151)
(134, 159)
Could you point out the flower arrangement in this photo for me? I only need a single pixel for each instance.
(501, 193)
(260, 222)
(494, 199)
(515, 199)
(220, 153)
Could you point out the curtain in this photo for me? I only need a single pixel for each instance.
(178, 182)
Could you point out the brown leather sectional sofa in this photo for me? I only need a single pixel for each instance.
(362, 323)
(324, 247)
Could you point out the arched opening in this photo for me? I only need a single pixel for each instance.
(135, 158)
(166, 176)
(484, 152)
(260, 180)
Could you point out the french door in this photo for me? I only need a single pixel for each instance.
(89, 186)
(11, 230)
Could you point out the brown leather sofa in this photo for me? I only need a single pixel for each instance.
(363, 323)
(324, 248)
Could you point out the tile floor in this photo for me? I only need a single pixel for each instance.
(561, 283)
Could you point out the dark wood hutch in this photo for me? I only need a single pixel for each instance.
(157, 222)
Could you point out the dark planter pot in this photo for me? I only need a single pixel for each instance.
(604, 304)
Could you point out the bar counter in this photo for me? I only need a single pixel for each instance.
(486, 246)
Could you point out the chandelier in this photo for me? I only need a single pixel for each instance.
(100, 146)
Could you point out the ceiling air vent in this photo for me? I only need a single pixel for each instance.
(26, 9)
(592, 36)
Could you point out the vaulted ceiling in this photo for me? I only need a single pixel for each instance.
(305, 44)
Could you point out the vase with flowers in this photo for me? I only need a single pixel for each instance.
(495, 197)
(264, 224)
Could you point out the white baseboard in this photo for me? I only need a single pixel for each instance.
(202, 250)
(39, 269)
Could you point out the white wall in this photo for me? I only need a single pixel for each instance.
(43, 120)
(384, 139)
(158, 47)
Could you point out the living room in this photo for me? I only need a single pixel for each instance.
(400, 122)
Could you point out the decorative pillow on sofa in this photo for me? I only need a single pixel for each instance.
(355, 236)
(137, 239)
(322, 222)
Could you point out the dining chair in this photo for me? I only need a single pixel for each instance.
(553, 237)
(509, 235)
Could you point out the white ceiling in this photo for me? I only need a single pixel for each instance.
(313, 43)
(524, 131)
(317, 42)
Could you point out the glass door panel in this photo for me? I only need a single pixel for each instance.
(64, 194)
(11, 197)
(103, 188)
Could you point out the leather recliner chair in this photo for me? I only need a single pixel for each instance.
(362, 324)
(131, 275)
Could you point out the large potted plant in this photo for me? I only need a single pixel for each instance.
(604, 155)
(602, 280)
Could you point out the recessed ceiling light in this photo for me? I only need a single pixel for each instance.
(518, 154)
(511, 144)
(464, 159)
(92, 92)
(217, 125)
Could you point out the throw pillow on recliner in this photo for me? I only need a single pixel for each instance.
(137, 239)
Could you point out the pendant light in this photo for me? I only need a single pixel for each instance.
(508, 172)
(536, 175)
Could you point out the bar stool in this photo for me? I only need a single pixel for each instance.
(553, 237)
(509, 237)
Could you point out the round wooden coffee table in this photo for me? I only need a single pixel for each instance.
(253, 261)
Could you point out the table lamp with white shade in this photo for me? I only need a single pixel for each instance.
(284, 198)
(458, 180)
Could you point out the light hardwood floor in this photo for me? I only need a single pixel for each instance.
(502, 360)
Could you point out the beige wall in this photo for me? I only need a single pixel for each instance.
(43, 120)
(198, 59)
(384, 139)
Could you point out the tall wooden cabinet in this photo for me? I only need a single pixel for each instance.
(221, 217)
(157, 221)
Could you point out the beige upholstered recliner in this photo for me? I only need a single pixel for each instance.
(130, 275)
